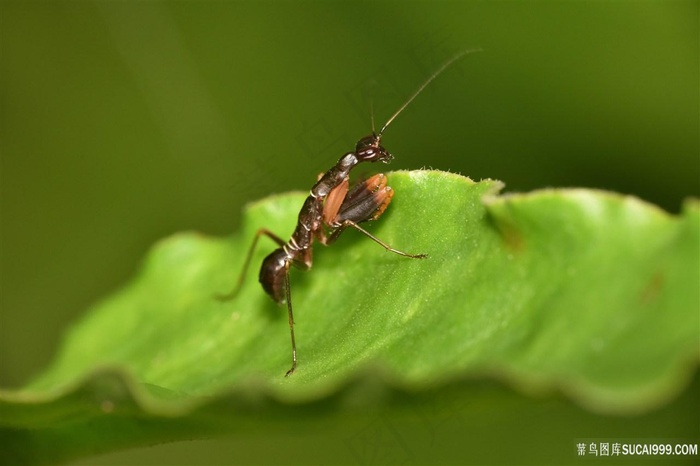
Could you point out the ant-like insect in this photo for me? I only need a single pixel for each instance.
(329, 209)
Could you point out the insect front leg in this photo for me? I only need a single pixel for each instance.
(366, 201)
(249, 256)
(358, 204)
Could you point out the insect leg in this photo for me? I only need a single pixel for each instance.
(366, 201)
(357, 227)
(334, 201)
(249, 256)
(288, 290)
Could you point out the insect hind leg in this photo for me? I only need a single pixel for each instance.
(241, 278)
(288, 294)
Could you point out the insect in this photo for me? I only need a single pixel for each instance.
(330, 208)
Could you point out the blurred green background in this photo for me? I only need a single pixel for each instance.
(124, 122)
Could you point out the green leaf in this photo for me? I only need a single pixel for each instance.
(586, 293)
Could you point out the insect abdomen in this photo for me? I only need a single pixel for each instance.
(272, 274)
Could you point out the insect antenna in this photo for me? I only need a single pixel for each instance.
(423, 86)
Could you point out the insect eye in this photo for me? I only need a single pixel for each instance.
(367, 142)
(374, 154)
(369, 154)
